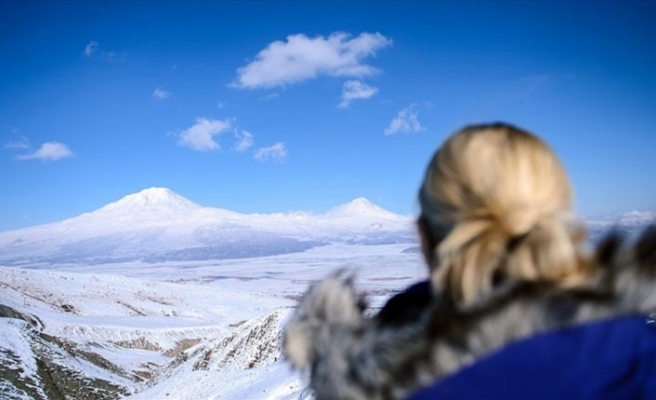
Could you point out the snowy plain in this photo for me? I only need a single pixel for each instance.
(156, 297)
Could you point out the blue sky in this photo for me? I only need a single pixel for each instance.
(264, 107)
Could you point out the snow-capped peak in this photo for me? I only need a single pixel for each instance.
(151, 199)
(360, 207)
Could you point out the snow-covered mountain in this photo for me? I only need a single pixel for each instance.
(361, 208)
(630, 223)
(156, 224)
(630, 218)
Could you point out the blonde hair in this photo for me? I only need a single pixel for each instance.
(498, 202)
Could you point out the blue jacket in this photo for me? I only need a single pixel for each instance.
(611, 359)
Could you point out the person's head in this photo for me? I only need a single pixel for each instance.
(496, 207)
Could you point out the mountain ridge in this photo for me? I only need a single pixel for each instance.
(157, 224)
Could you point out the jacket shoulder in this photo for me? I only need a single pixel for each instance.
(575, 362)
(406, 307)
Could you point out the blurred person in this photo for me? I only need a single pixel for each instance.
(514, 307)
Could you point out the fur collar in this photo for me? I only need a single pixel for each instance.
(354, 357)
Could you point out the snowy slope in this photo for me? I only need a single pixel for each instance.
(118, 333)
(127, 329)
(156, 225)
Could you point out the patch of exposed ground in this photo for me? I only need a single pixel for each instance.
(181, 346)
(139, 343)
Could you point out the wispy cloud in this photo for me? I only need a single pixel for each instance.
(244, 140)
(353, 90)
(200, 136)
(93, 49)
(49, 151)
(90, 48)
(161, 94)
(406, 121)
(19, 144)
(300, 58)
(270, 96)
(277, 152)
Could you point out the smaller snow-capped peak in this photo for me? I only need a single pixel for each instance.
(360, 207)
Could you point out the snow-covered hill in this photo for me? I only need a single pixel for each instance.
(129, 330)
(156, 225)
(77, 336)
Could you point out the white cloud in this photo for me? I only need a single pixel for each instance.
(200, 136)
(245, 140)
(160, 94)
(270, 96)
(406, 120)
(49, 151)
(90, 48)
(111, 55)
(20, 144)
(93, 48)
(353, 90)
(300, 58)
(277, 152)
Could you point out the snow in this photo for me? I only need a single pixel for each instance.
(165, 298)
(275, 381)
(14, 344)
(361, 208)
(630, 218)
(630, 223)
(156, 224)
(224, 316)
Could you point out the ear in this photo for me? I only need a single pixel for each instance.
(428, 242)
